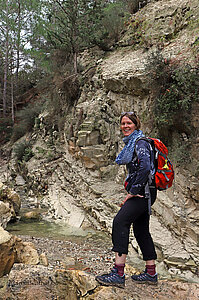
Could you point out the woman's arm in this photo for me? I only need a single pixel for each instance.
(128, 196)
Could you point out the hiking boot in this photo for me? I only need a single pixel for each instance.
(145, 278)
(112, 279)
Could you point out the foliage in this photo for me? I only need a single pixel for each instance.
(6, 125)
(76, 24)
(176, 87)
(134, 5)
(114, 17)
(180, 152)
(73, 24)
(159, 71)
(26, 120)
(23, 151)
(179, 96)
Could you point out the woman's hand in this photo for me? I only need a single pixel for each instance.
(128, 196)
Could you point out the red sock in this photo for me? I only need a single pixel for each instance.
(151, 269)
(120, 269)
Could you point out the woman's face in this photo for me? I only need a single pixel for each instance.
(127, 126)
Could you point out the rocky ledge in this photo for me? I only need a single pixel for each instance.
(70, 274)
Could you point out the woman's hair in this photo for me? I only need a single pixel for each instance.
(133, 117)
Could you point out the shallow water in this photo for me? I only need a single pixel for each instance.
(46, 229)
(52, 230)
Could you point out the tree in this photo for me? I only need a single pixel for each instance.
(6, 49)
(74, 24)
(17, 20)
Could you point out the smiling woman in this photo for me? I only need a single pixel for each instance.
(129, 122)
(134, 208)
(127, 126)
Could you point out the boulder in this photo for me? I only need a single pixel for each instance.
(10, 204)
(25, 252)
(74, 283)
(5, 214)
(32, 215)
(14, 250)
(7, 253)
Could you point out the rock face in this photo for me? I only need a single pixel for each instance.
(76, 178)
(10, 204)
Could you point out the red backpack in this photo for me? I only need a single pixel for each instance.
(164, 174)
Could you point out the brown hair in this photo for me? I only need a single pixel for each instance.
(133, 117)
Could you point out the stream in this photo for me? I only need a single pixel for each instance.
(50, 230)
(69, 248)
(76, 248)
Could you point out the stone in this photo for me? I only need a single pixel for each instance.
(194, 191)
(5, 214)
(26, 253)
(74, 283)
(30, 282)
(94, 157)
(7, 254)
(32, 215)
(9, 196)
(43, 259)
(20, 180)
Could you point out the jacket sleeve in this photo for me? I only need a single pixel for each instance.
(144, 166)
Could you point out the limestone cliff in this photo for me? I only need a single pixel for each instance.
(73, 173)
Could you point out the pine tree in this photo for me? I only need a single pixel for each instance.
(74, 25)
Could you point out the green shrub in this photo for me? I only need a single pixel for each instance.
(23, 151)
(175, 88)
(115, 15)
(177, 98)
(26, 120)
(159, 72)
(6, 127)
(180, 153)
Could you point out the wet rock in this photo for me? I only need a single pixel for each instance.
(32, 215)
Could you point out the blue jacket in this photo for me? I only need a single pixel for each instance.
(139, 168)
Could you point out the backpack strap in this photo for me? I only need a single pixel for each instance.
(148, 196)
(149, 181)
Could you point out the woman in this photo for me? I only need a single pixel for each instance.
(138, 157)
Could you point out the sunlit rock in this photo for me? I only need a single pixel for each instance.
(10, 207)
(26, 252)
(7, 254)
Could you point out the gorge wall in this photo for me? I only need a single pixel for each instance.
(73, 173)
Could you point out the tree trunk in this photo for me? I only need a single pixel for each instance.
(18, 41)
(5, 80)
(5, 68)
(75, 62)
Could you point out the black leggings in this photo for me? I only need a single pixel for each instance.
(134, 211)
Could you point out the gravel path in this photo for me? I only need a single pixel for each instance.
(92, 254)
